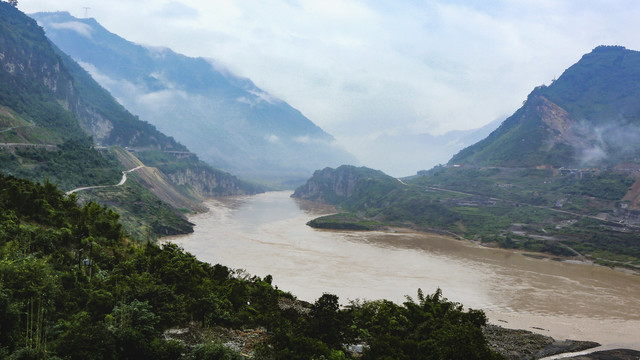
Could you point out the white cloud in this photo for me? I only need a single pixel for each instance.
(274, 139)
(262, 96)
(162, 97)
(176, 9)
(79, 27)
(310, 140)
(363, 67)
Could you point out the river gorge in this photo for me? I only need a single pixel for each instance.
(267, 234)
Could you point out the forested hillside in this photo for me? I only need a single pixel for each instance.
(560, 176)
(58, 124)
(227, 120)
(575, 214)
(588, 117)
(73, 287)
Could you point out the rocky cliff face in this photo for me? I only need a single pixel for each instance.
(588, 117)
(49, 88)
(227, 120)
(331, 186)
(57, 100)
(207, 183)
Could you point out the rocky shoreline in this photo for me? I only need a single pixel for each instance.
(524, 345)
(338, 222)
(527, 345)
(616, 354)
(512, 344)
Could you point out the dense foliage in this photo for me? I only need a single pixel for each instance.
(143, 215)
(75, 163)
(591, 109)
(344, 221)
(539, 210)
(178, 164)
(73, 287)
(602, 86)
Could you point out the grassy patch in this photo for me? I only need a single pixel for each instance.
(345, 221)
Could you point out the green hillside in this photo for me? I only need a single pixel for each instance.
(560, 176)
(226, 119)
(73, 287)
(57, 124)
(589, 116)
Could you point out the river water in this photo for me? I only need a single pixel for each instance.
(266, 234)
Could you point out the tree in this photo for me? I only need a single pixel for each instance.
(327, 323)
(14, 3)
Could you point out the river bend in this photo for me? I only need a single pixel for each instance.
(266, 234)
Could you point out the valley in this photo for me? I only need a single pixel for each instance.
(116, 237)
(514, 288)
(559, 214)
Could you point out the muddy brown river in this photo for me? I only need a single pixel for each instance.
(266, 234)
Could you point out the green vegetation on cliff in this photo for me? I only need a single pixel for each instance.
(345, 221)
(73, 287)
(195, 176)
(589, 116)
(562, 213)
(75, 163)
(142, 213)
(52, 117)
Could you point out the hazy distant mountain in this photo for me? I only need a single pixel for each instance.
(421, 151)
(52, 116)
(227, 120)
(509, 191)
(590, 116)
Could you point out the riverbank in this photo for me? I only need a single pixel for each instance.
(523, 344)
(563, 300)
(352, 222)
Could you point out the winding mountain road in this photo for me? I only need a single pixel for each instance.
(122, 181)
(18, 127)
(29, 145)
(435, 188)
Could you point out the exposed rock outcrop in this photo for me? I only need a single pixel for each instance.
(331, 185)
(207, 182)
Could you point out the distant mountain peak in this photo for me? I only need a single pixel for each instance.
(589, 116)
(226, 119)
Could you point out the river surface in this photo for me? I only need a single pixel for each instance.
(267, 234)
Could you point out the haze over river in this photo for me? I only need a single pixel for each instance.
(267, 234)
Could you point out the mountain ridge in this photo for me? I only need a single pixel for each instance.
(561, 176)
(55, 118)
(227, 120)
(585, 118)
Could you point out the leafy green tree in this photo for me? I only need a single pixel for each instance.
(83, 338)
(327, 323)
(134, 327)
(9, 320)
(136, 315)
(430, 328)
(213, 351)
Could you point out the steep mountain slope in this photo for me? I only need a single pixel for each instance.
(335, 186)
(519, 188)
(226, 120)
(589, 116)
(49, 106)
(47, 88)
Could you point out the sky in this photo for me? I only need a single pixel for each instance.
(361, 69)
